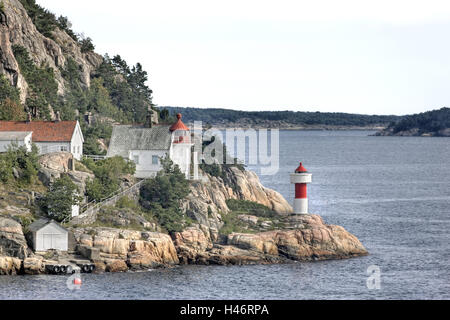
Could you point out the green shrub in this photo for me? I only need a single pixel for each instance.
(238, 207)
(107, 176)
(86, 44)
(10, 106)
(81, 167)
(25, 163)
(250, 207)
(231, 224)
(127, 203)
(162, 196)
(127, 87)
(43, 87)
(58, 201)
(99, 130)
(44, 20)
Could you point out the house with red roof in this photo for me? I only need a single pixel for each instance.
(146, 145)
(49, 136)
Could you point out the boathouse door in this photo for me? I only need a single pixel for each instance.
(51, 241)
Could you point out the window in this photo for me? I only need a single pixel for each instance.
(63, 148)
(136, 159)
(155, 160)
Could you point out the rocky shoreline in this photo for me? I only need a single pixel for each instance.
(389, 132)
(122, 240)
(304, 238)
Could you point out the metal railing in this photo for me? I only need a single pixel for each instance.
(94, 157)
(93, 207)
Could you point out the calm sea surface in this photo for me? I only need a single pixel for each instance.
(393, 193)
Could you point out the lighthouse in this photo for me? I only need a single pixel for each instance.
(301, 178)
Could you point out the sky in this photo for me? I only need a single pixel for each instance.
(368, 57)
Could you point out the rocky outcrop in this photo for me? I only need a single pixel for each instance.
(213, 192)
(10, 265)
(139, 250)
(15, 256)
(53, 165)
(250, 188)
(310, 239)
(12, 240)
(206, 202)
(304, 238)
(33, 265)
(80, 179)
(116, 266)
(192, 244)
(18, 29)
(297, 238)
(415, 132)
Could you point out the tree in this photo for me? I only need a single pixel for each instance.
(99, 100)
(10, 107)
(127, 87)
(162, 196)
(11, 110)
(43, 88)
(86, 44)
(18, 162)
(60, 198)
(66, 25)
(164, 115)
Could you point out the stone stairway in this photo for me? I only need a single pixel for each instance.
(89, 212)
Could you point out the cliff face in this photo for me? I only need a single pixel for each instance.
(16, 28)
(207, 200)
(303, 238)
(297, 238)
(132, 249)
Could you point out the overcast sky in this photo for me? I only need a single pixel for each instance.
(377, 57)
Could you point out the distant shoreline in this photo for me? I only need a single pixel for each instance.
(299, 128)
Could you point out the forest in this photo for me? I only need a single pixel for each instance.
(224, 116)
(427, 122)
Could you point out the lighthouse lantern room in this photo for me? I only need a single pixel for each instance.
(301, 178)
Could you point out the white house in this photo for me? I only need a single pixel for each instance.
(50, 136)
(19, 139)
(47, 234)
(146, 145)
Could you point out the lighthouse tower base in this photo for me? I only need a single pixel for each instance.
(300, 206)
(301, 178)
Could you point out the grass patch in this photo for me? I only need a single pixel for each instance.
(234, 225)
(240, 207)
(251, 208)
(79, 166)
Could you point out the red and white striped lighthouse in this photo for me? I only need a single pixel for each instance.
(301, 178)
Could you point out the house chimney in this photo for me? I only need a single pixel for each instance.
(28, 117)
(58, 117)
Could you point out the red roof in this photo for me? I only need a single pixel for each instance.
(179, 125)
(301, 168)
(43, 131)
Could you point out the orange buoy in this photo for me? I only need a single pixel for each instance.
(77, 281)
